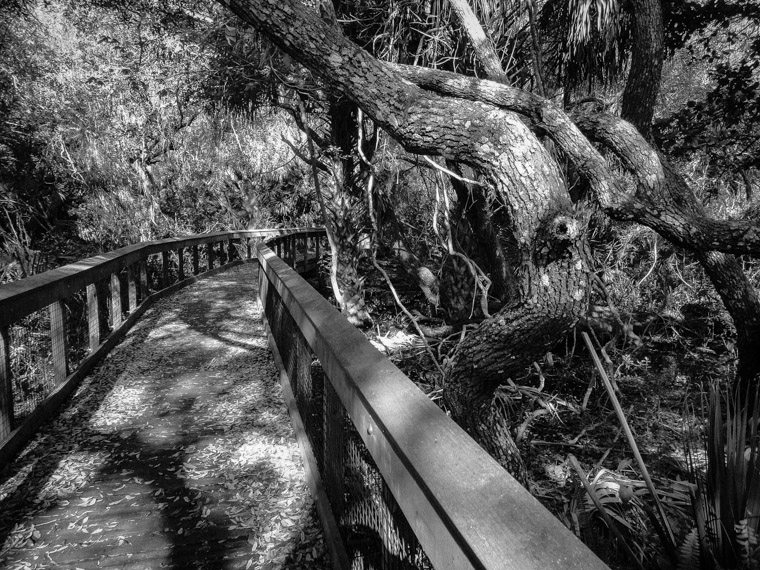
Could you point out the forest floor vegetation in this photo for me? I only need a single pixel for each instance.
(560, 409)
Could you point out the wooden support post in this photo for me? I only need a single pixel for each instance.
(181, 264)
(6, 384)
(230, 250)
(131, 289)
(196, 264)
(305, 251)
(93, 316)
(222, 254)
(143, 280)
(164, 269)
(248, 250)
(115, 301)
(318, 239)
(58, 341)
(210, 248)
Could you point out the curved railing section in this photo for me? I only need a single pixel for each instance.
(398, 483)
(56, 325)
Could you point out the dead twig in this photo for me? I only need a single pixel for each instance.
(632, 443)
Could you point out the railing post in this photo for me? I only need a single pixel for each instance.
(93, 316)
(164, 269)
(131, 289)
(305, 250)
(222, 254)
(196, 264)
(58, 340)
(115, 300)
(230, 250)
(248, 251)
(318, 239)
(6, 384)
(210, 248)
(181, 264)
(143, 280)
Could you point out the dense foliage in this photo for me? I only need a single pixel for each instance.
(121, 123)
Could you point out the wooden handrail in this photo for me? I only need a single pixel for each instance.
(25, 296)
(466, 511)
(98, 281)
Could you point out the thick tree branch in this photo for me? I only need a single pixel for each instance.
(492, 140)
(654, 202)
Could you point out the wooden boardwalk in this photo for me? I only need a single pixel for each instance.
(176, 453)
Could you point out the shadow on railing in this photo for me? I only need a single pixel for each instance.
(399, 485)
(56, 325)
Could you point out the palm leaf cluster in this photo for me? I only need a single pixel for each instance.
(726, 501)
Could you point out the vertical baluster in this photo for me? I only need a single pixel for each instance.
(181, 264)
(248, 251)
(131, 289)
(319, 241)
(210, 248)
(164, 269)
(305, 252)
(58, 340)
(6, 383)
(278, 248)
(93, 316)
(143, 280)
(196, 263)
(115, 301)
(230, 250)
(222, 254)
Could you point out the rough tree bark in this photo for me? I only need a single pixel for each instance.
(516, 168)
(658, 198)
(643, 84)
(474, 124)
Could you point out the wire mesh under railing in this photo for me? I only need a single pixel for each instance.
(374, 531)
(31, 363)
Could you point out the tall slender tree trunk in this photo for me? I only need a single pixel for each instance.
(643, 84)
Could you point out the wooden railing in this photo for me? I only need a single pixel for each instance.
(398, 484)
(56, 325)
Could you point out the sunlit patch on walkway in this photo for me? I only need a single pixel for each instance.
(178, 453)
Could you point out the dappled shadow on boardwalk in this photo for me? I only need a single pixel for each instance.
(177, 453)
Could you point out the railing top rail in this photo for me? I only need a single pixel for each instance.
(22, 297)
(465, 509)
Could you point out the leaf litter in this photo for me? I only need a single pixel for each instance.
(178, 447)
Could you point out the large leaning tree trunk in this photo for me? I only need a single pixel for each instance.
(518, 171)
(657, 197)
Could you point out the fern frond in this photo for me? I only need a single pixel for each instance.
(689, 552)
